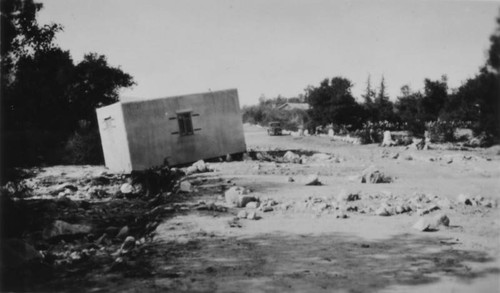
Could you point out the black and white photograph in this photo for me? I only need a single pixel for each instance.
(250, 146)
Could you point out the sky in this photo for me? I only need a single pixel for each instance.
(276, 47)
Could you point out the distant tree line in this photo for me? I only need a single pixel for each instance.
(476, 101)
(48, 101)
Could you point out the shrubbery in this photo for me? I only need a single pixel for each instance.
(84, 147)
(267, 111)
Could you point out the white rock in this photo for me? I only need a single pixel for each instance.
(126, 188)
(252, 205)
(238, 196)
(128, 244)
(191, 170)
(422, 225)
(291, 157)
(123, 232)
(312, 180)
(320, 157)
(252, 216)
(185, 186)
(242, 214)
(382, 211)
(200, 166)
(61, 228)
(245, 199)
(373, 175)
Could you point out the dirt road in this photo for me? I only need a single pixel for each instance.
(299, 247)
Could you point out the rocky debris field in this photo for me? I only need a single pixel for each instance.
(295, 214)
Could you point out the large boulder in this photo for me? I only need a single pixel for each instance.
(373, 175)
(238, 196)
(312, 180)
(61, 228)
(191, 170)
(384, 211)
(185, 186)
(252, 205)
(426, 224)
(127, 245)
(423, 224)
(126, 188)
(291, 157)
(320, 157)
(200, 166)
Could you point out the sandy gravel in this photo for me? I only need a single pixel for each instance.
(303, 250)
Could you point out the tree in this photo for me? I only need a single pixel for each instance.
(435, 96)
(43, 93)
(332, 102)
(95, 83)
(369, 94)
(493, 61)
(21, 35)
(383, 107)
(368, 100)
(409, 110)
(37, 98)
(478, 101)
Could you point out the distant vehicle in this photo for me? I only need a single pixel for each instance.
(274, 128)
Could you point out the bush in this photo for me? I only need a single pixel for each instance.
(441, 131)
(84, 147)
(267, 111)
(28, 148)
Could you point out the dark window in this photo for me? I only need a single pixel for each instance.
(185, 123)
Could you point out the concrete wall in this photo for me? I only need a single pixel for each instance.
(152, 128)
(114, 138)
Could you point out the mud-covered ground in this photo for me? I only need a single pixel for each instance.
(334, 236)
